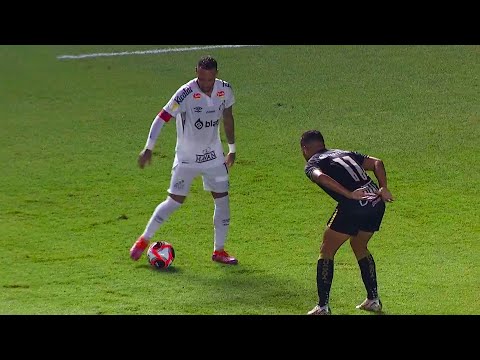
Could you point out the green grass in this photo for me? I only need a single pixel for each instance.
(73, 200)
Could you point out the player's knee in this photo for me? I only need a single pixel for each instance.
(178, 198)
(356, 247)
(327, 251)
(360, 250)
(219, 195)
(221, 216)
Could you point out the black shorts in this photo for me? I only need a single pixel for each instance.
(350, 220)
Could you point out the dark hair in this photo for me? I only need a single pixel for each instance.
(311, 136)
(207, 63)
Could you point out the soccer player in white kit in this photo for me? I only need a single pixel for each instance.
(198, 107)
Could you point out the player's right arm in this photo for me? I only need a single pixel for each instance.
(145, 155)
(171, 109)
(317, 176)
(378, 168)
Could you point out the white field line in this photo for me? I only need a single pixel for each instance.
(146, 52)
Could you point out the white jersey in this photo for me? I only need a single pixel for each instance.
(198, 119)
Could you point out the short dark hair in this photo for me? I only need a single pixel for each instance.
(311, 136)
(207, 63)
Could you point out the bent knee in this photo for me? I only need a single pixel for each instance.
(178, 198)
(217, 195)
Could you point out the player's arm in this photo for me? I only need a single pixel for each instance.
(323, 179)
(145, 155)
(378, 168)
(229, 126)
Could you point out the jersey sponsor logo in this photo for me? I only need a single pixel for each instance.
(206, 156)
(221, 93)
(197, 96)
(198, 109)
(183, 95)
(370, 187)
(210, 111)
(209, 123)
(376, 201)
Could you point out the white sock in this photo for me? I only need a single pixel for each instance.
(160, 215)
(221, 222)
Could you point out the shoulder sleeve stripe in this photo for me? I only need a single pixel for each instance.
(165, 116)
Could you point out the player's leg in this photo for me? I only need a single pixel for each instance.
(367, 270)
(216, 181)
(332, 240)
(221, 219)
(359, 243)
(180, 183)
(339, 229)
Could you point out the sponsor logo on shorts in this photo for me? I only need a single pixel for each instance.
(179, 185)
(206, 156)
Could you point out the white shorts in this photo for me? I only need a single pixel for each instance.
(214, 179)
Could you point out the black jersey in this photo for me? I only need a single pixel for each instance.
(346, 168)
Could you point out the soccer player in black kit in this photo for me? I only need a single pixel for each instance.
(359, 212)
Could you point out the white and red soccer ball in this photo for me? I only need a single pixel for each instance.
(161, 254)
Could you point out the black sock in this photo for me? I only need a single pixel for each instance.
(324, 280)
(369, 276)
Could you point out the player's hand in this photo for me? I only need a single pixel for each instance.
(361, 194)
(230, 159)
(144, 157)
(385, 194)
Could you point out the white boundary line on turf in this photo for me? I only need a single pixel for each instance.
(145, 52)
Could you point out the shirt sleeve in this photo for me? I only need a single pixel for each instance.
(358, 157)
(309, 168)
(176, 104)
(230, 97)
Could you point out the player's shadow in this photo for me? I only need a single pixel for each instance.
(170, 270)
(253, 289)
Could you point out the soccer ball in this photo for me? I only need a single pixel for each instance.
(161, 254)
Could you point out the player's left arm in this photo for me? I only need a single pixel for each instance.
(376, 165)
(229, 126)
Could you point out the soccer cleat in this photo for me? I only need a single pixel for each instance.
(223, 257)
(374, 305)
(320, 310)
(138, 248)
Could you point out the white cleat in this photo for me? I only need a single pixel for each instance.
(320, 310)
(374, 305)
